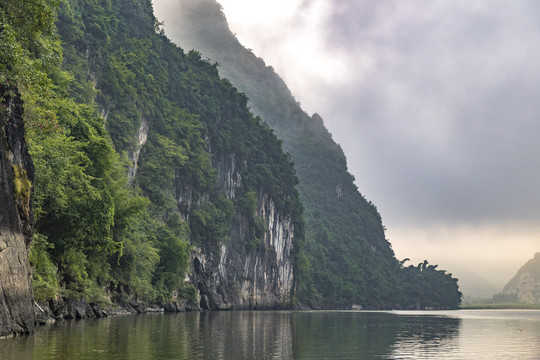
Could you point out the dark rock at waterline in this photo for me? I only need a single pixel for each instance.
(79, 310)
(59, 309)
(43, 313)
(180, 306)
(99, 312)
(69, 309)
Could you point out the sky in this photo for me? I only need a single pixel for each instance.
(435, 103)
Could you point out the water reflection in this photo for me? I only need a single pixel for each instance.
(484, 334)
(212, 335)
(353, 335)
(422, 336)
(246, 335)
(286, 335)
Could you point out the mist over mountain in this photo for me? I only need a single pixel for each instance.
(432, 105)
(350, 259)
(474, 286)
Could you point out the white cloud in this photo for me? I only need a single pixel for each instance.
(263, 13)
(501, 251)
(291, 36)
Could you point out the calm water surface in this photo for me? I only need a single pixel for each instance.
(465, 334)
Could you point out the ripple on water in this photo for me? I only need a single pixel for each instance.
(287, 335)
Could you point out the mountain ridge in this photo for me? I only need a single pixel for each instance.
(350, 260)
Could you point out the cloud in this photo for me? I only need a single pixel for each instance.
(445, 116)
(459, 250)
(441, 132)
(292, 37)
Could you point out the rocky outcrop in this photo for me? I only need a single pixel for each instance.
(229, 177)
(70, 309)
(140, 140)
(16, 178)
(239, 276)
(526, 283)
(247, 273)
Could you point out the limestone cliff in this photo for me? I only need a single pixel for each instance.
(193, 149)
(351, 260)
(247, 273)
(133, 154)
(16, 178)
(526, 283)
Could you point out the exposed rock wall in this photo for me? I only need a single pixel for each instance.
(526, 283)
(237, 275)
(69, 309)
(525, 287)
(229, 177)
(133, 155)
(16, 178)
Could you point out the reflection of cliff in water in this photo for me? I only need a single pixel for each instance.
(246, 335)
(348, 335)
(206, 335)
(238, 335)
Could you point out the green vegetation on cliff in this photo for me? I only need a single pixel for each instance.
(106, 95)
(348, 259)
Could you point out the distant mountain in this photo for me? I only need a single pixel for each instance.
(474, 286)
(525, 285)
(348, 259)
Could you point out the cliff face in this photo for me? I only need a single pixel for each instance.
(526, 283)
(246, 273)
(16, 178)
(339, 220)
(236, 276)
(194, 150)
(133, 155)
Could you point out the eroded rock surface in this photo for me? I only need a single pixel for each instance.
(16, 178)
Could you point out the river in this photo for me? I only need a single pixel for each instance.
(463, 334)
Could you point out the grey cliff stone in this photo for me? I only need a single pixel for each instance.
(16, 178)
(526, 283)
(234, 276)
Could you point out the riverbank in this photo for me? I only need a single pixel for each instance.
(68, 309)
(508, 306)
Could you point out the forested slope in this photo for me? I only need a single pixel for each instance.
(149, 167)
(155, 183)
(349, 260)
